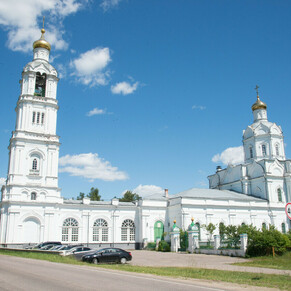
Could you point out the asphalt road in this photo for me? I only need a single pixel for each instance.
(28, 274)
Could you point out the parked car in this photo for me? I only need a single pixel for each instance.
(108, 255)
(48, 247)
(39, 246)
(75, 250)
(56, 248)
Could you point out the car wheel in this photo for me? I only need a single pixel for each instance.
(95, 261)
(123, 260)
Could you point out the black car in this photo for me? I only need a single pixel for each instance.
(41, 245)
(108, 255)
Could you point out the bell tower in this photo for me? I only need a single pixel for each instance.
(263, 139)
(34, 145)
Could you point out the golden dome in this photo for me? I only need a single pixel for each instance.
(42, 42)
(259, 104)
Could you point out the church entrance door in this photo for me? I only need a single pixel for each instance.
(159, 230)
(31, 230)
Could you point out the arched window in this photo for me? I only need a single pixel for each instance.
(40, 81)
(264, 226)
(264, 152)
(33, 196)
(70, 230)
(100, 230)
(279, 192)
(251, 152)
(277, 150)
(283, 226)
(128, 230)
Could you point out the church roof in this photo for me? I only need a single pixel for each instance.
(215, 194)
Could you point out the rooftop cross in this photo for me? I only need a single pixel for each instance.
(257, 90)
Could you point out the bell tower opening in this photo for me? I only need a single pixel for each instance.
(40, 84)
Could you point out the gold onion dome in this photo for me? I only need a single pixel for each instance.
(259, 104)
(42, 42)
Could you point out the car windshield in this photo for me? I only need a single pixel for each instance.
(67, 248)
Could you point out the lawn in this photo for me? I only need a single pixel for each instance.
(282, 282)
(278, 262)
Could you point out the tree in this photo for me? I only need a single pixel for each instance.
(81, 196)
(94, 194)
(210, 228)
(128, 196)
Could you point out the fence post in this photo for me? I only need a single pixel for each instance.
(175, 238)
(243, 242)
(216, 242)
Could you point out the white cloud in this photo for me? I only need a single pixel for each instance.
(230, 156)
(2, 182)
(89, 67)
(108, 4)
(96, 111)
(124, 88)
(90, 166)
(200, 107)
(146, 190)
(22, 21)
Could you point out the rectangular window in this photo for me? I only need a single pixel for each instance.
(65, 234)
(132, 234)
(33, 117)
(42, 118)
(105, 234)
(38, 117)
(95, 234)
(264, 152)
(75, 233)
(124, 234)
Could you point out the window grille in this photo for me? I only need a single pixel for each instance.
(37, 117)
(251, 152)
(34, 164)
(279, 192)
(42, 118)
(70, 230)
(128, 230)
(100, 230)
(277, 150)
(33, 117)
(33, 196)
(264, 150)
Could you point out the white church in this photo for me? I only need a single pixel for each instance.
(32, 209)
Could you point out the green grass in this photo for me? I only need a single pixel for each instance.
(278, 262)
(282, 282)
(41, 256)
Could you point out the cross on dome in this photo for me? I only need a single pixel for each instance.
(42, 42)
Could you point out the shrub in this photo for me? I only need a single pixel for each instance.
(260, 243)
(151, 246)
(164, 246)
(183, 240)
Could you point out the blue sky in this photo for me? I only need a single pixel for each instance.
(150, 91)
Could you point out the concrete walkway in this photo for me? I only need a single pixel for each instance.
(160, 259)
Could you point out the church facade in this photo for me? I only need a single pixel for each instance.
(32, 209)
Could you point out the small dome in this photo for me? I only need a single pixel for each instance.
(259, 104)
(42, 42)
